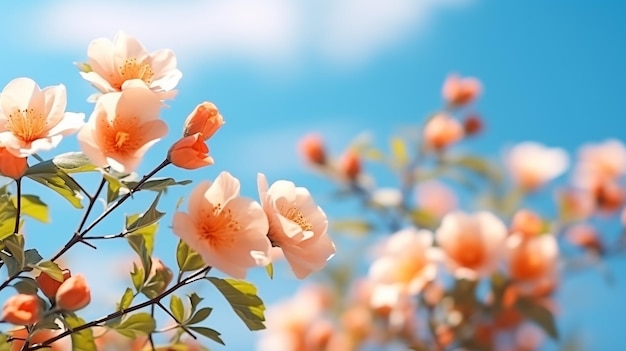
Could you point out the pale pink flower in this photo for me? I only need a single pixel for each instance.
(460, 91)
(472, 244)
(297, 225)
(227, 230)
(435, 198)
(600, 162)
(405, 261)
(442, 131)
(32, 119)
(532, 261)
(122, 127)
(532, 165)
(123, 59)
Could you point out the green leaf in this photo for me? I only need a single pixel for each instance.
(242, 297)
(151, 216)
(138, 244)
(539, 315)
(352, 226)
(114, 185)
(33, 207)
(177, 307)
(269, 268)
(4, 343)
(399, 151)
(11, 263)
(157, 282)
(148, 233)
(140, 323)
(209, 333)
(194, 300)
(16, 250)
(157, 184)
(50, 268)
(26, 286)
(81, 340)
(199, 316)
(32, 256)
(60, 182)
(188, 260)
(137, 277)
(69, 162)
(126, 300)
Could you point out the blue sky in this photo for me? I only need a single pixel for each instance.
(552, 72)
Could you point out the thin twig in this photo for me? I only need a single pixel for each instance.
(180, 324)
(18, 206)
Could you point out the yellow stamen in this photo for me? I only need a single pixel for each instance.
(294, 214)
(26, 124)
(132, 70)
(219, 228)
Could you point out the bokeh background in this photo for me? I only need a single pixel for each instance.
(552, 72)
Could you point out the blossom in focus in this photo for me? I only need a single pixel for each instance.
(49, 285)
(190, 152)
(122, 127)
(312, 149)
(40, 336)
(112, 63)
(297, 225)
(435, 198)
(350, 164)
(73, 294)
(532, 165)
(460, 91)
(205, 119)
(599, 163)
(532, 261)
(34, 120)
(10, 165)
(472, 243)
(21, 309)
(229, 231)
(404, 262)
(442, 131)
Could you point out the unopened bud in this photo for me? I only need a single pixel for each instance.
(12, 166)
(48, 285)
(73, 294)
(312, 149)
(21, 309)
(442, 131)
(205, 119)
(350, 165)
(473, 125)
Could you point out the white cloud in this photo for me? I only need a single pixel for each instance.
(272, 31)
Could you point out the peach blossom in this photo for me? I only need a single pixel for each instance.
(229, 231)
(586, 237)
(34, 120)
(435, 198)
(600, 162)
(312, 149)
(190, 152)
(39, 336)
(10, 165)
(297, 225)
(405, 261)
(125, 58)
(532, 261)
(122, 127)
(527, 223)
(73, 294)
(460, 91)
(350, 164)
(532, 165)
(472, 243)
(205, 119)
(48, 285)
(21, 309)
(442, 131)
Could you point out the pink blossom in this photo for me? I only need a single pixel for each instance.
(599, 163)
(227, 230)
(442, 131)
(532, 261)
(532, 165)
(472, 244)
(436, 198)
(114, 62)
(122, 127)
(297, 225)
(460, 91)
(32, 119)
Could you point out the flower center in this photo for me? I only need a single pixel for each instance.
(218, 228)
(294, 214)
(132, 70)
(122, 136)
(26, 124)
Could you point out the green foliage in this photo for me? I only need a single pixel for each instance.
(50, 268)
(33, 207)
(242, 297)
(82, 340)
(539, 315)
(126, 300)
(140, 323)
(269, 269)
(26, 285)
(151, 216)
(187, 259)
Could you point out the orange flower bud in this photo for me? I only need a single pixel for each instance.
(21, 309)
(609, 196)
(73, 294)
(11, 165)
(459, 91)
(312, 149)
(473, 125)
(50, 286)
(205, 119)
(190, 152)
(527, 223)
(442, 131)
(350, 165)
